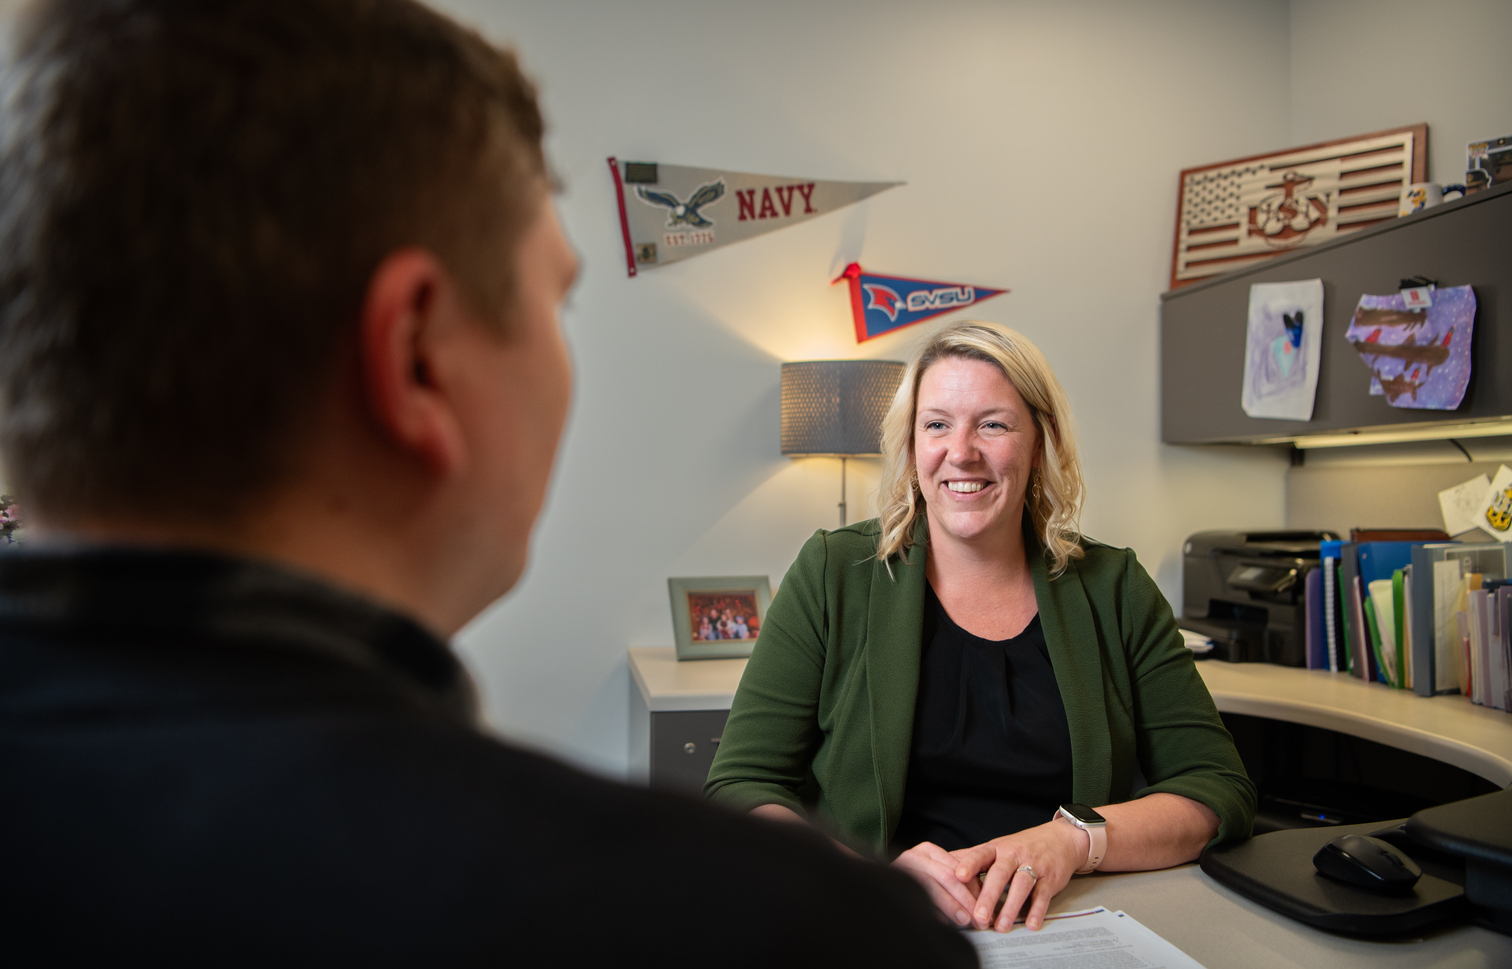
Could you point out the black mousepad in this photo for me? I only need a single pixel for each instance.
(1276, 870)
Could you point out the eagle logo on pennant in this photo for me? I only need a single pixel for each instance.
(685, 213)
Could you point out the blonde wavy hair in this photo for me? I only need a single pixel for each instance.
(1054, 498)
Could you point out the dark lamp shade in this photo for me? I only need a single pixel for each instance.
(836, 406)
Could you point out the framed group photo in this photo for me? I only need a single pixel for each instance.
(718, 617)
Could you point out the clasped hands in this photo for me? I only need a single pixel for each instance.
(966, 885)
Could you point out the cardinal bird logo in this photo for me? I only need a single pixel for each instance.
(883, 298)
(685, 213)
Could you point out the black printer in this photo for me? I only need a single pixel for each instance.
(1247, 592)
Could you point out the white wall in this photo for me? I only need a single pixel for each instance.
(1367, 65)
(1041, 142)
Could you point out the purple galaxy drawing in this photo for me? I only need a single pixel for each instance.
(1420, 358)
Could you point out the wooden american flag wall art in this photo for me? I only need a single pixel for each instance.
(1236, 213)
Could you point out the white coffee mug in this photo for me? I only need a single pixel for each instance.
(1419, 196)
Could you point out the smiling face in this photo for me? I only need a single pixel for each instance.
(975, 444)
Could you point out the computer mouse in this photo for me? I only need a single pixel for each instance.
(1368, 863)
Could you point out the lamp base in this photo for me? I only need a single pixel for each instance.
(842, 492)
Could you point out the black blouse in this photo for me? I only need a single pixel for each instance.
(991, 750)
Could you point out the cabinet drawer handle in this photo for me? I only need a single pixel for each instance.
(715, 740)
(689, 748)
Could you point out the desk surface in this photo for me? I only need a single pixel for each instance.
(1446, 728)
(695, 684)
(1210, 923)
(1224, 930)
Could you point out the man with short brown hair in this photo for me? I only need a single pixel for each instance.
(281, 384)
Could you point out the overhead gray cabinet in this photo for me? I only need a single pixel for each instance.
(1202, 327)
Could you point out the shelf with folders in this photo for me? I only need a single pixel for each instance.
(1432, 617)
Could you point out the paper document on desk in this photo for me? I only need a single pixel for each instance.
(1095, 937)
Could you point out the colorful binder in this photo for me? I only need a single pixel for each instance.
(1435, 639)
(1317, 646)
(1332, 615)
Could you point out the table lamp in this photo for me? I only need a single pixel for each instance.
(835, 408)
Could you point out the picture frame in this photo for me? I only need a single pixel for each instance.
(1234, 214)
(718, 617)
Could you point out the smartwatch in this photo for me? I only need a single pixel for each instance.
(1096, 827)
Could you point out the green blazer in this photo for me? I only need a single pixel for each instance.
(823, 718)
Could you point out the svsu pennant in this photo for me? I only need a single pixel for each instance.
(882, 304)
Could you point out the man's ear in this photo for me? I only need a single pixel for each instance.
(412, 305)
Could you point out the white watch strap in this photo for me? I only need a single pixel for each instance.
(1097, 835)
(1099, 847)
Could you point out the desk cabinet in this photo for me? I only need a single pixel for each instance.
(682, 745)
(677, 715)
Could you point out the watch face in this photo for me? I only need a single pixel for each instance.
(1084, 814)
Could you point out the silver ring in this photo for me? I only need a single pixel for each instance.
(1030, 870)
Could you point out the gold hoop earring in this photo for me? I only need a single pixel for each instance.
(1036, 489)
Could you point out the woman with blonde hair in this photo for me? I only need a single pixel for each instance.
(967, 682)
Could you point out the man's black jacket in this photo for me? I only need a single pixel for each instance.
(212, 762)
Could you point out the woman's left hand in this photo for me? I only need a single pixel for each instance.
(935, 869)
(1033, 864)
